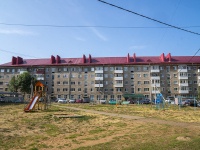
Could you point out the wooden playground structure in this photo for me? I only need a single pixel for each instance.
(39, 100)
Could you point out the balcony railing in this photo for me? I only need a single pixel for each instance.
(183, 91)
(118, 85)
(118, 78)
(98, 78)
(182, 70)
(98, 85)
(98, 71)
(118, 71)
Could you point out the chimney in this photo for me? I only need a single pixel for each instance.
(90, 58)
(162, 57)
(57, 59)
(53, 59)
(168, 57)
(84, 59)
(14, 60)
(128, 58)
(19, 60)
(134, 57)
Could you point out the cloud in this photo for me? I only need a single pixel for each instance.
(98, 34)
(17, 32)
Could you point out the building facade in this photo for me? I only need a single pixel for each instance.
(109, 77)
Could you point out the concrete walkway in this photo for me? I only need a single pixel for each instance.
(138, 118)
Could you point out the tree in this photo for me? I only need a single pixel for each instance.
(13, 85)
(25, 80)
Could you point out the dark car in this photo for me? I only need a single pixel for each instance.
(86, 100)
(144, 101)
(190, 102)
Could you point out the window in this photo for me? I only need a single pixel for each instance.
(2, 70)
(175, 82)
(65, 75)
(139, 82)
(105, 68)
(119, 97)
(175, 67)
(145, 75)
(65, 82)
(72, 82)
(58, 89)
(111, 68)
(58, 82)
(125, 68)
(79, 89)
(146, 89)
(145, 68)
(65, 89)
(72, 89)
(139, 75)
(58, 76)
(105, 75)
(146, 82)
(139, 90)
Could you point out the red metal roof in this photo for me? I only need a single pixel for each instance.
(108, 61)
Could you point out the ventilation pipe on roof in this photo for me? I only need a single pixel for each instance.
(84, 59)
(168, 57)
(128, 58)
(14, 60)
(19, 60)
(134, 57)
(90, 58)
(162, 57)
(53, 59)
(57, 59)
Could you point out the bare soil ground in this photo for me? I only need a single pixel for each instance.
(44, 130)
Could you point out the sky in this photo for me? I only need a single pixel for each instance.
(34, 29)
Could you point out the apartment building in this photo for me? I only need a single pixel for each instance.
(109, 77)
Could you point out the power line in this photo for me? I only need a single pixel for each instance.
(82, 26)
(172, 26)
(11, 52)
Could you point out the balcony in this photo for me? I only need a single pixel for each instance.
(182, 77)
(118, 85)
(98, 71)
(118, 78)
(118, 71)
(155, 92)
(155, 70)
(155, 85)
(98, 85)
(155, 77)
(182, 70)
(183, 91)
(183, 84)
(40, 78)
(98, 78)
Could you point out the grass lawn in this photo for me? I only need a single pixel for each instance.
(44, 130)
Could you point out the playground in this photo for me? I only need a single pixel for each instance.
(43, 129)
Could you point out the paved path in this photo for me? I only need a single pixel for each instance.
(138, 118)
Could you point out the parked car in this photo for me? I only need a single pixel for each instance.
(86, 100)
(114, 102)
(131, 100)
(71, 100)
(144, 101)
(62, 100)
(102, 101)
(2, 99)
(79, 101)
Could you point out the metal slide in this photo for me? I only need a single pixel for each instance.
(32, 103)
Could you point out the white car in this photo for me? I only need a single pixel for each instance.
(72, 100)
(62, 100)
